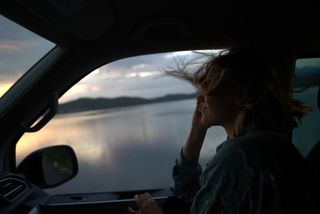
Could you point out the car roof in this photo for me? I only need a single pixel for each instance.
(157, 26)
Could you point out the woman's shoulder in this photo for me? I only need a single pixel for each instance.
(264, 141)
(227, 157)
(259, 146)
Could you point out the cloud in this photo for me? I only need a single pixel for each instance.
(139, 66)
(147, 87)
(139, 76)
(19, 49)
(146, 65)
(144, 74)
(4, 87)
(11, 31)
(179, 54)
(7, 77)
(94, 88)
(8, 47)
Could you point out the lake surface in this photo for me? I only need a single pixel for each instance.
(134, 148)
(120, 149)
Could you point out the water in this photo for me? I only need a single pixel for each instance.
(130, 148)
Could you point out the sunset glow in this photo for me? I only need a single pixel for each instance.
(4, 87)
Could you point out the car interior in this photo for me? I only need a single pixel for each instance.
(89, 34)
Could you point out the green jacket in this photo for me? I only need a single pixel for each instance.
(253, 173)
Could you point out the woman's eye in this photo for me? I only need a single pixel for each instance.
(205, 83)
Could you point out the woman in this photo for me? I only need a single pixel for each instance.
(257, 167)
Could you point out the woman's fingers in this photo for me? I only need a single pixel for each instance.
(132, 210)
(146, 201)
(142, 197)
(143, 200)
(138, 200)
(200, 101)
(147, 196)
(146, 205)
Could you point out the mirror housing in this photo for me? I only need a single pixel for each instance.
(49, 167)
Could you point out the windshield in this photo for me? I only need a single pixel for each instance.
(20, 49)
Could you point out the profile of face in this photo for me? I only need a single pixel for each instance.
(218, 106)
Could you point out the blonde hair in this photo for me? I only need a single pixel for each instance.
(261, 96)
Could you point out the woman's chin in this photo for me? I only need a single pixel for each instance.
(208, 123)
(205, 122)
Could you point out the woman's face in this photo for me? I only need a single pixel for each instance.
(219, 107)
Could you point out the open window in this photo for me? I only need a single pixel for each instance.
(126, 122)
(307, 84)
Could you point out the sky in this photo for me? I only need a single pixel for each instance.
(19, 50)
(140, 76)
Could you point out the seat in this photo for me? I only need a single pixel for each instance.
(313, 162)
(313, 158)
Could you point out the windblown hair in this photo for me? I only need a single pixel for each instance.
(261, 97)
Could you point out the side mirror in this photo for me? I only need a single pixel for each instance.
(50, 166)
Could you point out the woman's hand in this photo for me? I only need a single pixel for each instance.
(197, 121)
(192, 147)
(146, 205)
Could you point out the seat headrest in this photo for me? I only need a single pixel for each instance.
(318, 98)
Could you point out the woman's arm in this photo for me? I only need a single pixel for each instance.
(193, 145)
(187, 171)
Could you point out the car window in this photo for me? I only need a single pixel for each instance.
(19, 50)
(126, 122)
(307, 134)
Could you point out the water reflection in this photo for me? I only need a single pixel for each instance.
(124, 149)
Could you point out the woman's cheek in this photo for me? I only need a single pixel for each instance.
(200, 107)
(203, 108)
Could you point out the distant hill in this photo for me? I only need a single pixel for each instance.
(89, 104)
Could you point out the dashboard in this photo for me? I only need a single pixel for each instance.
(18, 195)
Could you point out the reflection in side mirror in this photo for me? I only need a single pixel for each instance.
(50, 167)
